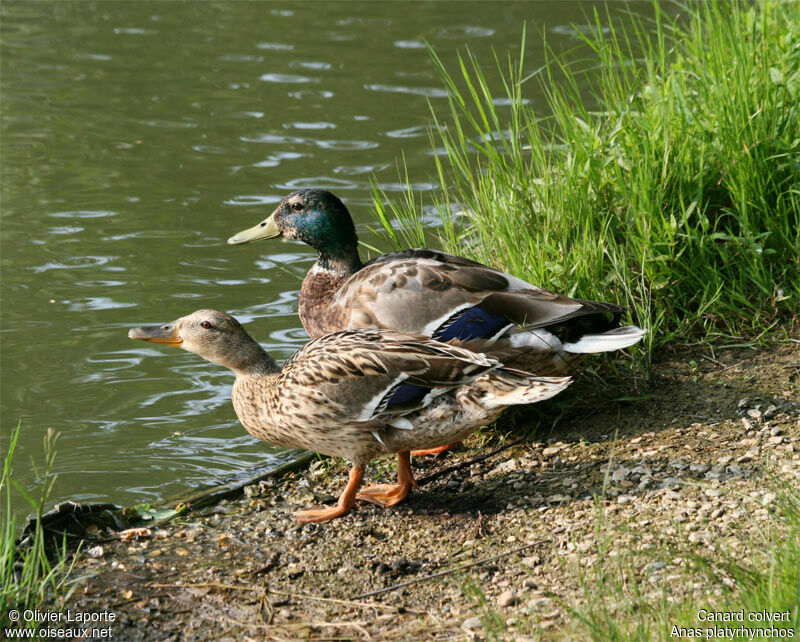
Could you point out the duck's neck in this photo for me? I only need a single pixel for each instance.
(248, 359)
(345, 261)
(319, 288)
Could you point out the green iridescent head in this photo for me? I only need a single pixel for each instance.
(314, 216)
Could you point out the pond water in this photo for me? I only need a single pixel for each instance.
(136, 138)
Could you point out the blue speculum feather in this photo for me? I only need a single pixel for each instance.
(473, 323)
(407, 393)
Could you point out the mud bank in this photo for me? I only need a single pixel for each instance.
(500, 539)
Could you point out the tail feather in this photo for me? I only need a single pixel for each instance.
(509, 387)
(616, 339)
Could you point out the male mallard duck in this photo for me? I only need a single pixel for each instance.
(431, 293)
(434, 294)
(357, 394)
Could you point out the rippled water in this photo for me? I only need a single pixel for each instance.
(136, 138)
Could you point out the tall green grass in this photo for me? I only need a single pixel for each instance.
(666, 176)
(33, 574)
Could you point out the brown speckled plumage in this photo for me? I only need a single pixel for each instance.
(336, 395)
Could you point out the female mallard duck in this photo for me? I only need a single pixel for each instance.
(434, 294)
(357, 394)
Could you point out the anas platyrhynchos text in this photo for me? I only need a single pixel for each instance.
(357, 394)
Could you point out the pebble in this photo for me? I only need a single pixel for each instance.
(506, 598)
(724, 461)
(505, 467)
(768, 498)
(95, 551)
(539, 602)
(551, 450)
(753, 413)
(620, 474)
(699, 468)
(699, 536)
(776, 430)
(734, 470)
(472, 623)
(655, 567)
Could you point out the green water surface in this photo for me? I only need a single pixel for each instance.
(136, 138)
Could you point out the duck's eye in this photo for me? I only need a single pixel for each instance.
(297, 206)
(206, 324)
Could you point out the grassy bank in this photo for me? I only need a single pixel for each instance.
(33, 575)
(670, 186)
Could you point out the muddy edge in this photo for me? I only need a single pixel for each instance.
(696, 462)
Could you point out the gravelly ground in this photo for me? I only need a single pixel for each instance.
(517, 531)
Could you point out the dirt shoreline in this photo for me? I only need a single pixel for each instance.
(503, 543)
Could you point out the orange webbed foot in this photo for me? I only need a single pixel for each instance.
(384, 494)
(391, 494)
(432, 451)
(320, 514)
(343, 506)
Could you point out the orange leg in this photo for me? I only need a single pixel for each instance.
(390, 494)
(433, 451)
(343, 506)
